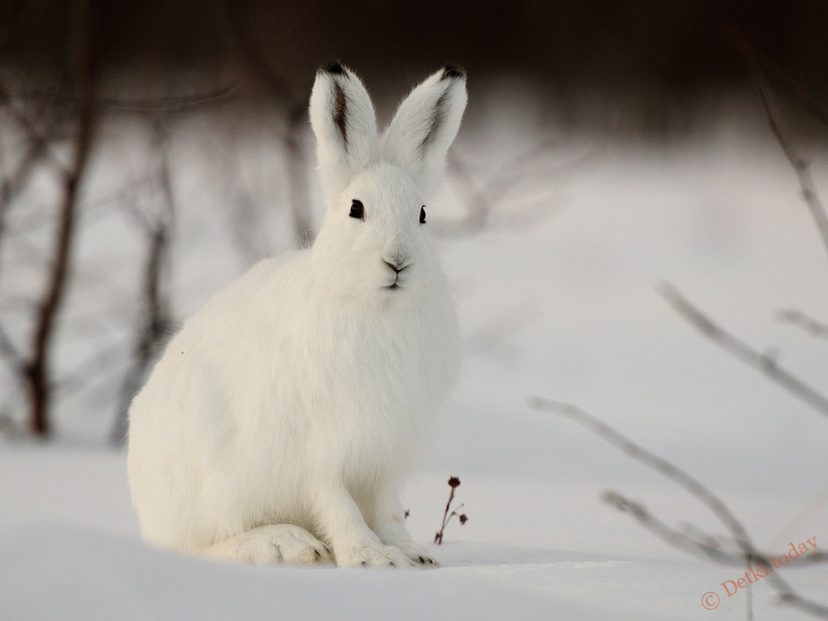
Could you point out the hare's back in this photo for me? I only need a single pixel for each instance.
(218, 347)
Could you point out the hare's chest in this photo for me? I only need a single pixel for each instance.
(398, 364)
(382, 380)
(378, 373)
(367, 388)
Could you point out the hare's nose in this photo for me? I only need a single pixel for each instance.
(397, 264)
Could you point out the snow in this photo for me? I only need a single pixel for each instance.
(720, 218)
(69, 550)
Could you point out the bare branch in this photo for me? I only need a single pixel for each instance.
(93, 206)
(799, 319)
(37, 137)
(36, 149)
(706, 548)
(9, 351)
(701, 543)
(485, 196)
(800, 166)
(756, 57)
(763, 363)
(709, 549)
(693, 486)
(748, 552)
(14, 182)
(37, 372)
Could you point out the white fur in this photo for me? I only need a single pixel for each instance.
(280, 420)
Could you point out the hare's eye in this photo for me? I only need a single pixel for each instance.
(357, 210)
(422, 214)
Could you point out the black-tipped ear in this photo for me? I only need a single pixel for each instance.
(425, 125)
(332, 66)
(343, 119)
(339, 107)
(453, 72)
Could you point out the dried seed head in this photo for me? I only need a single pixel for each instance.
(463, 518)
(454, 482)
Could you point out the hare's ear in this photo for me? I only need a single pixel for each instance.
(425, 126)
(345, 125)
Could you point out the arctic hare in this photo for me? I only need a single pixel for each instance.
(280, 420)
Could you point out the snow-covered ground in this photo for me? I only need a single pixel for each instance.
(563, 307)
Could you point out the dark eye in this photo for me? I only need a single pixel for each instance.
(422, 214)
(357, 210)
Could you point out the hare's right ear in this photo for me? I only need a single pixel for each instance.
(345, 125)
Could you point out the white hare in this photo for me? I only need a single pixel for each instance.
(280, 420)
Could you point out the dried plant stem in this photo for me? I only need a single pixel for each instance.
(438, 538)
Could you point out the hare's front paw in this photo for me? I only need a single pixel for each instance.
(373, 555)
(419, 554)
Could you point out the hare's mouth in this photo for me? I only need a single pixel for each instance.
(397, 265)
(396, 284)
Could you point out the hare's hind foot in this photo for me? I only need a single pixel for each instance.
(272, 544)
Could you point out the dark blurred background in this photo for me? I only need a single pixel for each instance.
(655, 59)
(151, 150)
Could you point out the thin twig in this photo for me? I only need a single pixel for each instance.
(737, 531)
(763, 363)
(799, 319)
(33, 133)
(9, 351)
(800, 165)
(700, 543)
(37, 371)
(693, 486)
(485, 196)
(792, 86)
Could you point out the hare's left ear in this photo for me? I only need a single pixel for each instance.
(426, 124)
(343, 119)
